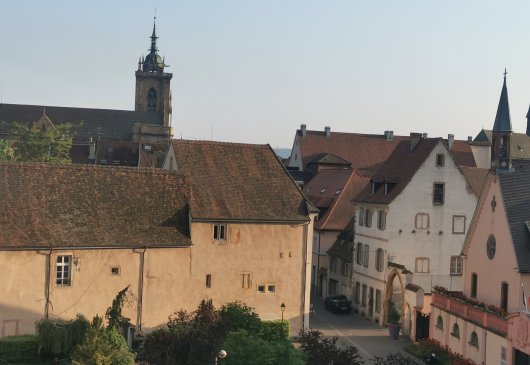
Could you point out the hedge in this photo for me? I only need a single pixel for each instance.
(16, 349)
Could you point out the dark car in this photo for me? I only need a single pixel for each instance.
(338, 303)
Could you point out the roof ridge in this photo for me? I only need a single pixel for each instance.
(71, 107)
(336, 201)
(227, 143)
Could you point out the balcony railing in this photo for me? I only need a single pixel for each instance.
(471, 312)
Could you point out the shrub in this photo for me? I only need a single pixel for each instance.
(324, 351)
(274, 330)
(59, 336)
(15, 349)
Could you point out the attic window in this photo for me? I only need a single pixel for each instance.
(323, 190)
(440, 159)
(219, 232)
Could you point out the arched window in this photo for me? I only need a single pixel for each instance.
(456, 331)
(473, 339)
(440, 323)
(151, 100)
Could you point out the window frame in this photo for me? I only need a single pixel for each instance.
(345, 268)
(366, 255)
(455, 266)
(381, 220)
(421, 226)
(439, 323)
(440, 160)
(473, 339)
(61, 267)
(208, 280)
(422, 260)
(456, 216)
(357, 292)
(368, 218)
(361, 216)
(245, 280)
(379, 259)
(455, 332)
(505, 289)
(220, 232)
(359, 253)
(474, 285)
(438, 193)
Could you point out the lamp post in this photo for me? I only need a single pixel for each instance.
(220, 355)
(282, 308)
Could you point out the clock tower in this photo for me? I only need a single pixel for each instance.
(153, 93)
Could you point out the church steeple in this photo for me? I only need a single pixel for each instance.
(153, 62)
(501, 158)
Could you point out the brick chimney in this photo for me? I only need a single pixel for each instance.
(303, 129)
(415, 139)
(328, 131)
(450, 140)
(389, 135)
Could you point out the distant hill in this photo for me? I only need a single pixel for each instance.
(283, 152)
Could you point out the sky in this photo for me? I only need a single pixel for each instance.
(253, 70)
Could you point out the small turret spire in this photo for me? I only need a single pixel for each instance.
(502, 119)
(154, 37)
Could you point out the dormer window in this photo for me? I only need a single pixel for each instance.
(323, 190)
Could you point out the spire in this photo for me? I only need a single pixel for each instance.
(154, 37)
(153, 62)
(502, 119)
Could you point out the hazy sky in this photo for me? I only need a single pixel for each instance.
(253, 71)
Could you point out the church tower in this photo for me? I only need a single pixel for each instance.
(153, 93)
(501, 157)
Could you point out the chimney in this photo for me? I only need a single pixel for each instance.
(415, 139)
(450, 140)
(303, 129)
(424, 136)
(470, 139)
(328, 131)
(389, 135)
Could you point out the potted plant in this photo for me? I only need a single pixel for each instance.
(393, 321)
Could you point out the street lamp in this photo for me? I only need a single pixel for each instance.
(282, 308)
(220, 355)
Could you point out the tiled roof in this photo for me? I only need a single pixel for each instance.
(329, 158)
(364, 151)
(235, 181)
(462, 153)
(475, 178)
(399, 170)
(343, 247)
(46, 205)
(342, 208)
(516, 196)
(519, 148)
(326, 186)
(88, 123)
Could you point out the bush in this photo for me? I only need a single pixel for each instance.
(324, 351)
(15, 349)
(274, 330)
(58, 336)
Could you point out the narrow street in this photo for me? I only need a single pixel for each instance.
(353, 329)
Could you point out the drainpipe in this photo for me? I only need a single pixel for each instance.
(317, 274)
(48, 283)
(140, 291)
(304, 275)
(485, 347)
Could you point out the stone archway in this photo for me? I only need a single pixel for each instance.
(407, 320)
(394, 293)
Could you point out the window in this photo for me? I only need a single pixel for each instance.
(333, 266)
(504, 296)
(456, 331)
(474, 282)
(115, 270)
(438, 194)
(459, 224)
(381, 220)
(361, 216)
(271, 288)
(440, 323)
(421, 221)
(368, 218)
(261, 289)
(365, 291)
(456, 265)
(208, 280)
(422, 265)
(440, 159)
(219, 232)
(473, 339)
(359, 254)
(64, 270)
(365, 255)
(357, 292)
(379, 259)
(345, 268)
(151, 100)
(377, 300)
(245, 280)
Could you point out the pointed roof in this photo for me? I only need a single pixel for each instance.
(153, 62)
(502, 119)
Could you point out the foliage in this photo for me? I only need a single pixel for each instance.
(444, 355)
(393, 314)
(113, 314)
(394, 359)
(324, 351)
(236, 315)
(6, 151)
(245, 348)
(102, 347)
(274, 330)
(59, 336)
(14, 349)
(49, 145)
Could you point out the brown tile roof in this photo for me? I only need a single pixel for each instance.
(462, 154)
(235, 181)
(152, 154)
(475, 177)
(399, 170)
(364, 151)
(343, 247)
(45, 205)
(88, 123)
(326, 186)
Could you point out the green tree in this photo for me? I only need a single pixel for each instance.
(49, 145)
(236, 315)
(324, 351)
(6, 151)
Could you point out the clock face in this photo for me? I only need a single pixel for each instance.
(491, 246)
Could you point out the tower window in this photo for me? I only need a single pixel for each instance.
(151, 100)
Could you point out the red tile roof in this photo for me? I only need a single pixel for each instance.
(46, 205)
(241, 182)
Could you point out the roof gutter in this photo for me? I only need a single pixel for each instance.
(32, 248)
(229, 220)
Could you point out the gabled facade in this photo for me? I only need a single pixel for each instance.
(410, 228)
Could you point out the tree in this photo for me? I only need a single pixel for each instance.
(324, 351)
(236, 315)
(47, 145)
(113, 314)
(394, 359)
(6, 151)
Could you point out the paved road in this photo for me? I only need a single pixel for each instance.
(353, 329)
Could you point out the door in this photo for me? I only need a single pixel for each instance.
(371, 303)
(422, 326)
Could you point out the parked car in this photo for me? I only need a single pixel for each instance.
(338, 303)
